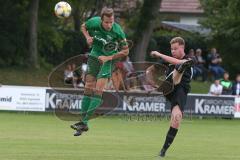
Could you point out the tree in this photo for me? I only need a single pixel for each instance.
(33, 23)
(144, 28)
(223, 18)
(85, 9)
(13, 32)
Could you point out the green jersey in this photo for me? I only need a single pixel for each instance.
(226, 84)
(104, 42)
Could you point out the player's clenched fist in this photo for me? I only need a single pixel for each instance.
(89, 41)
(154, 54)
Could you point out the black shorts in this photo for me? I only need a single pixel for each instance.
(178, 97)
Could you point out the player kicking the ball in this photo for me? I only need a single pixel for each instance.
(108, 43)
(180, 74)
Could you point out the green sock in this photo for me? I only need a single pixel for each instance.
(95, 103)
(85, 105)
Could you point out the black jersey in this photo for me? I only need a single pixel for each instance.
(186, 78)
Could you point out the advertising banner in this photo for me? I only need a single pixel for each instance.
(22, 98)
(63, 99)
(113, 102)
(211, 105)
(237, 107)
(69, 100)
(144, 103)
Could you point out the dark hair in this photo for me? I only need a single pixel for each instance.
(107, 12)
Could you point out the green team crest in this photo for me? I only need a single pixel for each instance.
(107, 45)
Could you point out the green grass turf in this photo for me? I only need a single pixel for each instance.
(34, 136)
(200, 87)
(25, 77)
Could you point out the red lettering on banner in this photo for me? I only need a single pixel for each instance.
(237, 107)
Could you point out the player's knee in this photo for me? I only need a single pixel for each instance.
(88, 91)
(100, 85)
(175, 124)
(98, 91)
(90, 83)
(176, 120)
(90, 79)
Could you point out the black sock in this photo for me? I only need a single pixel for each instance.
(172, 132)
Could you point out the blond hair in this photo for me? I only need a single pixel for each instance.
(178, 40)
(107, 12)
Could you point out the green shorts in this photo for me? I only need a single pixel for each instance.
(98, 70)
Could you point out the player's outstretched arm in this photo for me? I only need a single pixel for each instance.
(169, 59)
(86, 34)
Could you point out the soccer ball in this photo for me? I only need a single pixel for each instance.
(62, 9)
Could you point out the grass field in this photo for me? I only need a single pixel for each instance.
(24, 77)
(34, 136)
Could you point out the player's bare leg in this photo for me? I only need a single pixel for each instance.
(176, 118)
(177, 77)
(100, 85)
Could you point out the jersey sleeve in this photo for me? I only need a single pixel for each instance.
(121, 36)
(93, 23)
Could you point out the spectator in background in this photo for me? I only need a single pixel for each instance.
(196, 71)
(76, 75)
(68, 75)
(227, 84)
(214, 64)
(216, 88)
(127, 66)
(200, 63)
(83, 71)
(236, 86)
(129, 71)
(72, 75)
